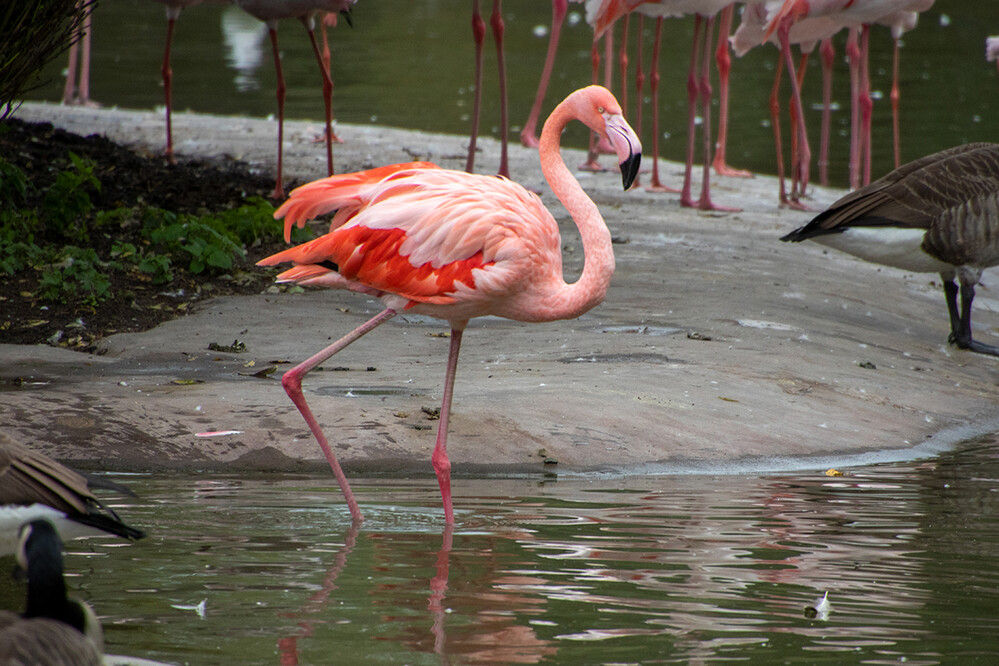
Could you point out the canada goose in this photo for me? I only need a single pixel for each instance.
(32, 485)
(54, 629)
(939, 214)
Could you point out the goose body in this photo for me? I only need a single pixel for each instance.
(33, 486)
(938, 214)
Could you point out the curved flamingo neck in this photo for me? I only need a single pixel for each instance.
(598, 267)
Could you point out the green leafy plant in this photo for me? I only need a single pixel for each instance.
(78, 276)
(67, 201)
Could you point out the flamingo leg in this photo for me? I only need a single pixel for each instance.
(310, 27)
(828, 53)
(83, 89)
(529, 134)
(896, 96)
(603, 146)
(723, 61)
(853, 53)
(479, 35)
(441, 463)
(591, 154)
(639, 80)
(801, 164)
(692, 93)
(774, 104)
(292, 383)
(793, 113)
(278, 186)
(172, 15)
(69, 90)
(656, 185)
(327, 65)
(866, 103)
(496, 22)
(704, 89)
(622, 64)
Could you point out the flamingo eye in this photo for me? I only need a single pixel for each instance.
(600, 109)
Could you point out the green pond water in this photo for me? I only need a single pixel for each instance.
(408, 63)
(680, 569)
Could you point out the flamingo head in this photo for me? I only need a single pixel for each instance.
(597, 108)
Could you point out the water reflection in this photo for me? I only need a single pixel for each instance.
(245, 38)
(689, 569)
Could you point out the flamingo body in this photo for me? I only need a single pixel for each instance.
(455, 245)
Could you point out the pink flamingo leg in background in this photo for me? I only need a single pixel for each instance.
(172, 14)
(866, 103)
(828, 53)
(800, 165)
(280, 92)
(723, 60)
(529, 135)
(479, 35)
(656, 185)
(327, 91)
(496, 21)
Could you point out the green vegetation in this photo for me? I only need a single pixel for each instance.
(73, 248)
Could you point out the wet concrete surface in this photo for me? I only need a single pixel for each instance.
(718, 348)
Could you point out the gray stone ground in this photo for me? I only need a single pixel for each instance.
(717, 348)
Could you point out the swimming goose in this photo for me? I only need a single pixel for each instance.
(32, 485)
(939, 214)
(54, 629)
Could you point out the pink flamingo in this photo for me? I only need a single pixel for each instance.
(173, 10)
(603, 13)
(992, 50)
(272, 11)
(454, 245)
(846, 13)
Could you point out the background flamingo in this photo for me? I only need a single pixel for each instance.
(173, 10)
(454, 245)
(603, 13)
(306, 11)
(992, 50)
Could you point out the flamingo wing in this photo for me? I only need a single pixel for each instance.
(426, 234)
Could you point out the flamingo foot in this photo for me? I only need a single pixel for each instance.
(794, 204)
(707, 204)
(732, 172)
(659, 187)
(529, 139)
(321, 138)
(592, 165)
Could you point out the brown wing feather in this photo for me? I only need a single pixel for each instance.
(916, 194)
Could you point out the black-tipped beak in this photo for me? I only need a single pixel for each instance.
(345, 13)
(629, 169)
